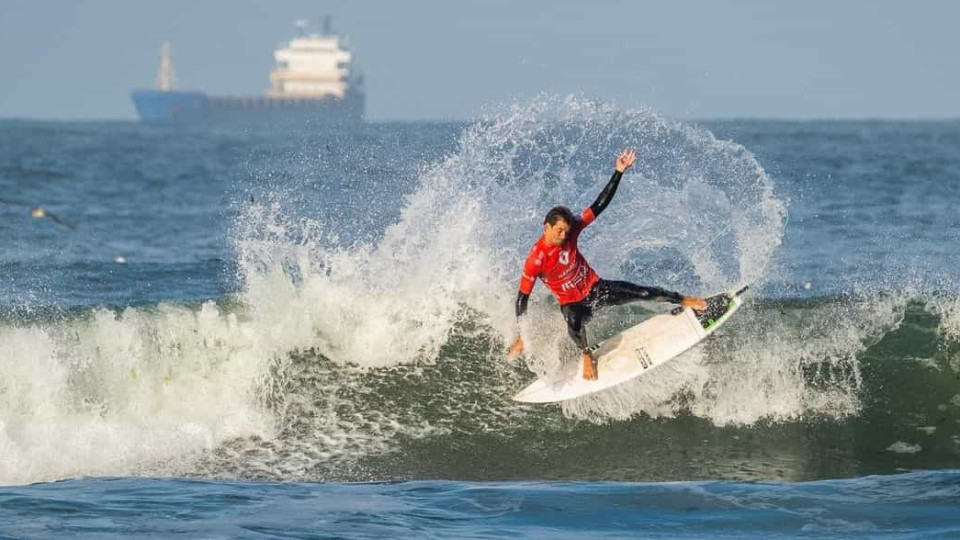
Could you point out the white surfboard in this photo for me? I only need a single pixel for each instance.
(636, 351)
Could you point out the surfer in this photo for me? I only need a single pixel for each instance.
(555, 259)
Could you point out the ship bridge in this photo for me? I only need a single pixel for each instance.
(313, 66)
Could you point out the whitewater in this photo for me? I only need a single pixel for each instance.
(334, 306)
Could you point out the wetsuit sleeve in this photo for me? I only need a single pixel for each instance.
(522, 299)
(531, 269)
(603, 199)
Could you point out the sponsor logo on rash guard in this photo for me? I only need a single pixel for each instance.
(582, 272)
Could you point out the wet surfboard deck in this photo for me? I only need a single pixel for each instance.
(636, 351)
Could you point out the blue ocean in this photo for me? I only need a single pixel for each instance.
(223, 333)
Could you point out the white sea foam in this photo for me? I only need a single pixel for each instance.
(901, 447)
(696, 214)
(948, 308)
(151, 391)
(137, 392)
(762, 365)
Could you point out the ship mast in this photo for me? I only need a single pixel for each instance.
(165, 76)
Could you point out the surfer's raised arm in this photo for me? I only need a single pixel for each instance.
(624, 162)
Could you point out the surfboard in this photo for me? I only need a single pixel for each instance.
(636, 351)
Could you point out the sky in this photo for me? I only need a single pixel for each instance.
(455, 59)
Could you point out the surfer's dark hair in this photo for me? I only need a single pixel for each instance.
(557, 213)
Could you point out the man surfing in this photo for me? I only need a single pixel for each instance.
(556, 260)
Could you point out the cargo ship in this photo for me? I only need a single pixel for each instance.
(312, 83)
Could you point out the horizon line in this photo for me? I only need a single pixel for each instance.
(443, 120)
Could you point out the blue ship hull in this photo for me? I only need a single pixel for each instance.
(191, 108)
(157, 107)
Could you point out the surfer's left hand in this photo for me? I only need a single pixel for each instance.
(695, 302)
(626, 159)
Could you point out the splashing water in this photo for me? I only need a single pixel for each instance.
(341, 346)
(705, 207)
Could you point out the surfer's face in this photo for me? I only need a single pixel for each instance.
(556, 234)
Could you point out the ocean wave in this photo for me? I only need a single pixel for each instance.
(380, 356)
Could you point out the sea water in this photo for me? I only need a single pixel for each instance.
(240, 333)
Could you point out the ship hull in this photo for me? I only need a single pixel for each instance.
(196, 108)
(158, 107)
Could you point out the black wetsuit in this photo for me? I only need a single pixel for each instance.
(604, 293)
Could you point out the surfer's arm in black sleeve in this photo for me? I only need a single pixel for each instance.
(517, 347)
(522, 299)
(607, 194)
(529, 278)
(624, 162)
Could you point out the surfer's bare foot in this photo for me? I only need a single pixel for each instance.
(589, 367)
(695, 302)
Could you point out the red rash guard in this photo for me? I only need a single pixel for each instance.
(561, 268)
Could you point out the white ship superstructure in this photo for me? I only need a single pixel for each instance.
(312, 65)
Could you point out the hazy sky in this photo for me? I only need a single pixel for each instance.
(449, 59)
